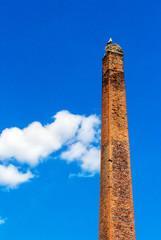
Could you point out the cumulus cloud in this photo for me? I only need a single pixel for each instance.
(74, 152)
(11, 177)
(36, 142)
(87, 155)
(2, 221)
(76, 136)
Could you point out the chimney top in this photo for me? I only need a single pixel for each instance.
(115, 48)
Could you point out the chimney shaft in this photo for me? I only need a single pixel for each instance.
(116, 201)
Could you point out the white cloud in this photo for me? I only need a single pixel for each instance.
(36, 142)
(75, 152)
(2, 221)
(87, 155)
(87, 132)
(76, 136)
(91, 160)
(11, 177)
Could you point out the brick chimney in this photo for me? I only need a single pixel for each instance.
(116, 200)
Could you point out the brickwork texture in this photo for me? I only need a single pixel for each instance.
(116, 201)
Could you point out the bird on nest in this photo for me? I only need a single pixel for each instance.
(110, 41)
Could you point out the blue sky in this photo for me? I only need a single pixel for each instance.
(50, 65)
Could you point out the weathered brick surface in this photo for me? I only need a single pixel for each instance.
(116, 202)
